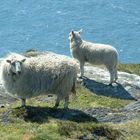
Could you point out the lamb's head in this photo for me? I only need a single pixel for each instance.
(74, 36)
(15, 66)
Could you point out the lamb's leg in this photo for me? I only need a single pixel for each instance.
(81, 69)
(116, 75)
(23, 102)
(111, 71)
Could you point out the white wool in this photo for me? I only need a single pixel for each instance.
(94, 53)
(45, 74)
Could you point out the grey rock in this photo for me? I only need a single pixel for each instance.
(130, 112)
(97, 79)
(127, 87)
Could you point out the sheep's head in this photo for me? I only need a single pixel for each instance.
(75, 36)
(16, 66)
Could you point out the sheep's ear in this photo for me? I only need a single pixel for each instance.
(72, 32)
(23, 60)
(80, 31)
(8, 61)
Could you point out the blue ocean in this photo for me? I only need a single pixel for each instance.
(44, 25)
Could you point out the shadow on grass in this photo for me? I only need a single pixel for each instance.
(42, 114)
(117, 91)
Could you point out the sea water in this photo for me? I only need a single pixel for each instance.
(44, 25)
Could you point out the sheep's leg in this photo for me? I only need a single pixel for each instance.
(116, 75)
(66, 101)
(57, 102)
(81, 69)
(111, 71)
(23, 101)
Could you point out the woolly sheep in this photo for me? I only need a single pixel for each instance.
(94, 53)
(44, 74)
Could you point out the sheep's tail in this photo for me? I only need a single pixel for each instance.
(73, 90)
(74, 71)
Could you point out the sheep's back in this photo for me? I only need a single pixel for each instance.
(98, 53)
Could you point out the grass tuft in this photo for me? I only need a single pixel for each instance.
(78, 131)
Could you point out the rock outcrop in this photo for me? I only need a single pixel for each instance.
(96, 80)
(128, 87)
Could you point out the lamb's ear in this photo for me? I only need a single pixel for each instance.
(72, 32)
(23, 60)
(8, 61)
(80, 31)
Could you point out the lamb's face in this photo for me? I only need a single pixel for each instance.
(16, 66)
(75, 35)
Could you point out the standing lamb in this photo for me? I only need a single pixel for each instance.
(44, 74)
(93, 53)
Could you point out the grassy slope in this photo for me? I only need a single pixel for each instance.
(51, 128)
(130, 68)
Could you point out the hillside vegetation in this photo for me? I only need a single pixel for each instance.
(39, 121)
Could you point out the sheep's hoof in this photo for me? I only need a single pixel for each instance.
(66, 108)
(23, 106)
(56, 106)
(80, 76)
(110, 84)
(116, 82)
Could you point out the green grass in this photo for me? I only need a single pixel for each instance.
(17, 127)
(38, 122)
(129, 130)
(86, 99)
(130, 68)
(54, 130)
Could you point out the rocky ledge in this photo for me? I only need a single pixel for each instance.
(127, 87)
(96, 80)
